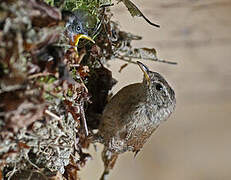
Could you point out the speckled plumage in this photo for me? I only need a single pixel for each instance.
(133, 114)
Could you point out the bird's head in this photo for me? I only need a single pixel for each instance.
(159, 92)
(78, 26)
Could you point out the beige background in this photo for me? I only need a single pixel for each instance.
(195, 143)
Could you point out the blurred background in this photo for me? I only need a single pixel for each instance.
(195, 143)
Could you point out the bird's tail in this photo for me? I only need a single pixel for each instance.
(109, 158)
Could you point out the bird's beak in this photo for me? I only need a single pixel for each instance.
(83, 36)
(145, 71)
(77, 37)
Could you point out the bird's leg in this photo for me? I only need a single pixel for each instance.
(109, 158)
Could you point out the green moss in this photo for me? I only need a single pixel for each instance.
(91, 5)
(47, 96)
(47, 79)
(69, 93)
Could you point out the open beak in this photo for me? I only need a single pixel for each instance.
(77, 37)
(145, 71)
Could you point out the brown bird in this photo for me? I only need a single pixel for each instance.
(133, 114)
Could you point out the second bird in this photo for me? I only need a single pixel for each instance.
(133, 114)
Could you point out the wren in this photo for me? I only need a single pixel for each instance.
(133, 114)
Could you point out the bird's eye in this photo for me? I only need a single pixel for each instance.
(78, 28)
(159, 87)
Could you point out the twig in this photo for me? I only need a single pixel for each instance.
(52, 114)
(39, 75)
(84, 119)
(130, 61)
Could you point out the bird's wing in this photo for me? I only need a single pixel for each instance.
(117, 111)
